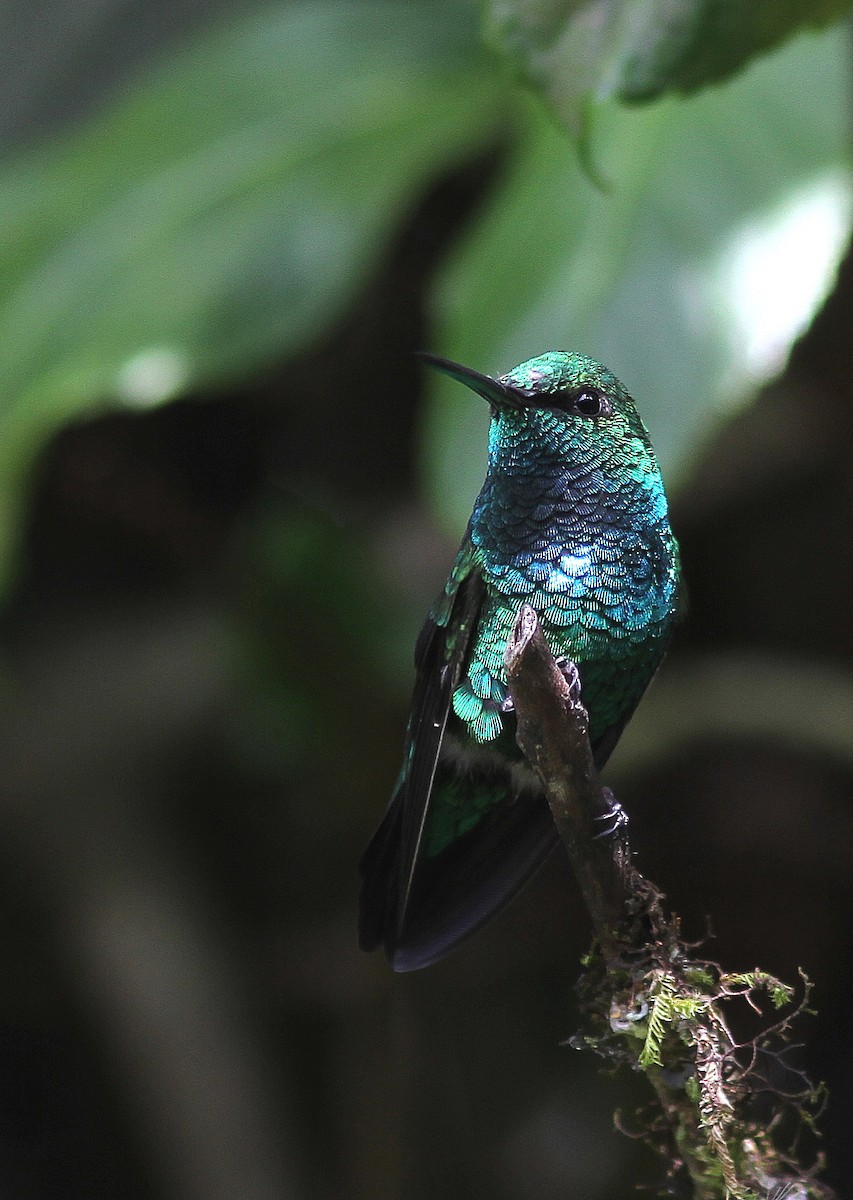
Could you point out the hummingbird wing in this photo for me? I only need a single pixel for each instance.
(389, 862)
(419, 906)
(463, 887)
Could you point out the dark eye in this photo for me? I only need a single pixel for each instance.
(590, 403)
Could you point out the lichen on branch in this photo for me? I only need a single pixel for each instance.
(648, 1002)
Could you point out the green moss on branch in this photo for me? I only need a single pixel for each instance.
(648, 1003)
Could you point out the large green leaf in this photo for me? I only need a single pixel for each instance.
(637, 275)
(582, 52)
(224, 209)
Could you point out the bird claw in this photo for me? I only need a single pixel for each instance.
(614, 821)
(571, 674)
(507, 705)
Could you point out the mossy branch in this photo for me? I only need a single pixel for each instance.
(648, 1003)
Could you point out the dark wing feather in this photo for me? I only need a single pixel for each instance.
(389, 863)
(421, 908)
(463, 887)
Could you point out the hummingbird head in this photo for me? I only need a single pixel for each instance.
(562, 396)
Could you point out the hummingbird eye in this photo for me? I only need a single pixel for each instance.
(589, 402)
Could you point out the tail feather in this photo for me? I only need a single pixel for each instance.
(457, 890)
(380, 871)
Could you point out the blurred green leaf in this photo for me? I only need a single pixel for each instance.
(634, 276)
(225, 209)
(687, 44)
(582, 52)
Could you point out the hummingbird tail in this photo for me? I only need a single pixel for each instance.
(457, 890)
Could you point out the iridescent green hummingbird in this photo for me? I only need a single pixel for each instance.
(571, 519)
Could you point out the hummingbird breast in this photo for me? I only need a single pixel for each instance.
(593, 553)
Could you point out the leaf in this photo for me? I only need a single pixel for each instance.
(682, 45)
(639, 276)
(224, 209)
(582, 52)
(545, 255)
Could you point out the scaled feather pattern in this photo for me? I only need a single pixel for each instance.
(572, 519)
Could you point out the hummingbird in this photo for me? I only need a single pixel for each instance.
(572, 519)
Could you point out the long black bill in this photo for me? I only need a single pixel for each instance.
(493, 390)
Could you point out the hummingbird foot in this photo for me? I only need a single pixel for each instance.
(614, 821)
(571, 674)
(507, 705)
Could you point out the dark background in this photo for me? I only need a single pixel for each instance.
(205, 644)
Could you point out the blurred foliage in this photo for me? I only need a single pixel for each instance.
(216, 451)
(226, 206)
(582, 53)
(632, 271)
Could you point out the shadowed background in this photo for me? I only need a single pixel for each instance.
(228, 495)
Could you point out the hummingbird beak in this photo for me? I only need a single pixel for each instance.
(498, 394)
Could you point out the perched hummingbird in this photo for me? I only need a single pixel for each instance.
(571, 519)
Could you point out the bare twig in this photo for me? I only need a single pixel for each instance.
(553, 733)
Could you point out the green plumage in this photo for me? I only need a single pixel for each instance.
(572, 519)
